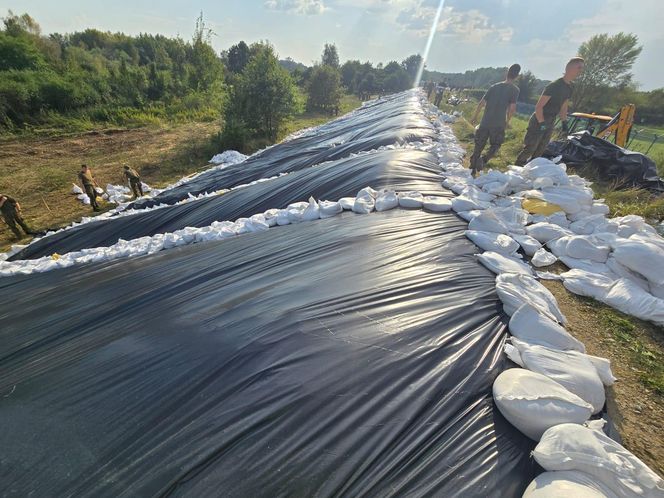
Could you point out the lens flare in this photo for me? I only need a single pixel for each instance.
(432, 33)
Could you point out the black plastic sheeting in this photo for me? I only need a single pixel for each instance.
(394, 119)
(401, 170)
(630, 168)
(349, 356)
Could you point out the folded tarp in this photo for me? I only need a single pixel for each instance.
(402, 170)
(351, 356)
(395, 119)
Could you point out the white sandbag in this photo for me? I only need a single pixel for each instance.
(367, 193)
(514, 290)
(282, 217)
(312, 211)
(271, 217)
(465, 203)
(559, 219)
(534, 403)
(530, 325)
(575, 447)
(587, 284)
(386, 200)
(496, 188)
(529, 245)
(623, 272)
(599, 208)
(75, 189)
(487, 221)
(603, 367)
(587, 247)
(296, 211)
(347, 203)
(328, 209)
(588, 266)
(544, 232)
(642, 257)
(497, 242)
(364, 205)
(437, 204)
(588, 225)
(543, 258)
(541, 167)
(626, 296)
(410, 199)
(567, 483)
(499, 263)
(571, 369)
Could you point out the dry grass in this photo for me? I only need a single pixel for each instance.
(39, 172)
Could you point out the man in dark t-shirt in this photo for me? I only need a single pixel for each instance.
(500, 103)
(553, 102)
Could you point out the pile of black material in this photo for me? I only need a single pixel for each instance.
(629, 168)
(351, 356)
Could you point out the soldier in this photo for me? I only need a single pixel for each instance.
(440, 90)
(11, 213)
(88, 182)
(134, 179)
(553, 102)
(500, 105)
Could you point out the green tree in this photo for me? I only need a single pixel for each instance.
(411, 66)
(330, 56)
(526, 83)
(609, 60)
(237, 57)
(324, 89)
(264, 94)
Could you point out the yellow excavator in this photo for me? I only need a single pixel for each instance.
(619, 125)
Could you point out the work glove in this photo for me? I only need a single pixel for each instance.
(542, 126)
(565, 126)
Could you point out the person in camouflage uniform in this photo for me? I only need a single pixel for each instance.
(134, 179)
(88, 183)
(11, 213)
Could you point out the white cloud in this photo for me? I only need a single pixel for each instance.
(470, 26)
(306, 7)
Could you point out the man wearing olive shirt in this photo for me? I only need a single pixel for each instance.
(553, 102)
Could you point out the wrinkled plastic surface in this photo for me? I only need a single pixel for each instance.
(611, 160)
(394, 119)
(351, 356)
(397, 169)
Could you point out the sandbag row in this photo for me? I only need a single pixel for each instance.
(552, 398)
(366, 201)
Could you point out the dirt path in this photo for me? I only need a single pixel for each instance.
(39, 172)
(635, 349)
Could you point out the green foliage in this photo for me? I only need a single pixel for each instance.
(324, 89)
(94, 76)
(330, 56)
(609, 60)
(527, 83)
(411, 65)
(263, 96)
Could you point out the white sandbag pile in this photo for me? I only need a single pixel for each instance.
(571, 447)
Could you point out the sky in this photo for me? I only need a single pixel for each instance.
(538, 34)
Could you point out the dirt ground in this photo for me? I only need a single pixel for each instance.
(39, 171)
(636, 410)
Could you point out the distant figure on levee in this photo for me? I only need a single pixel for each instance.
(553, 102)
(430, 88)
(440, 90)
(11, 213)
(134, 179)
(88, 183)
(500, 103)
